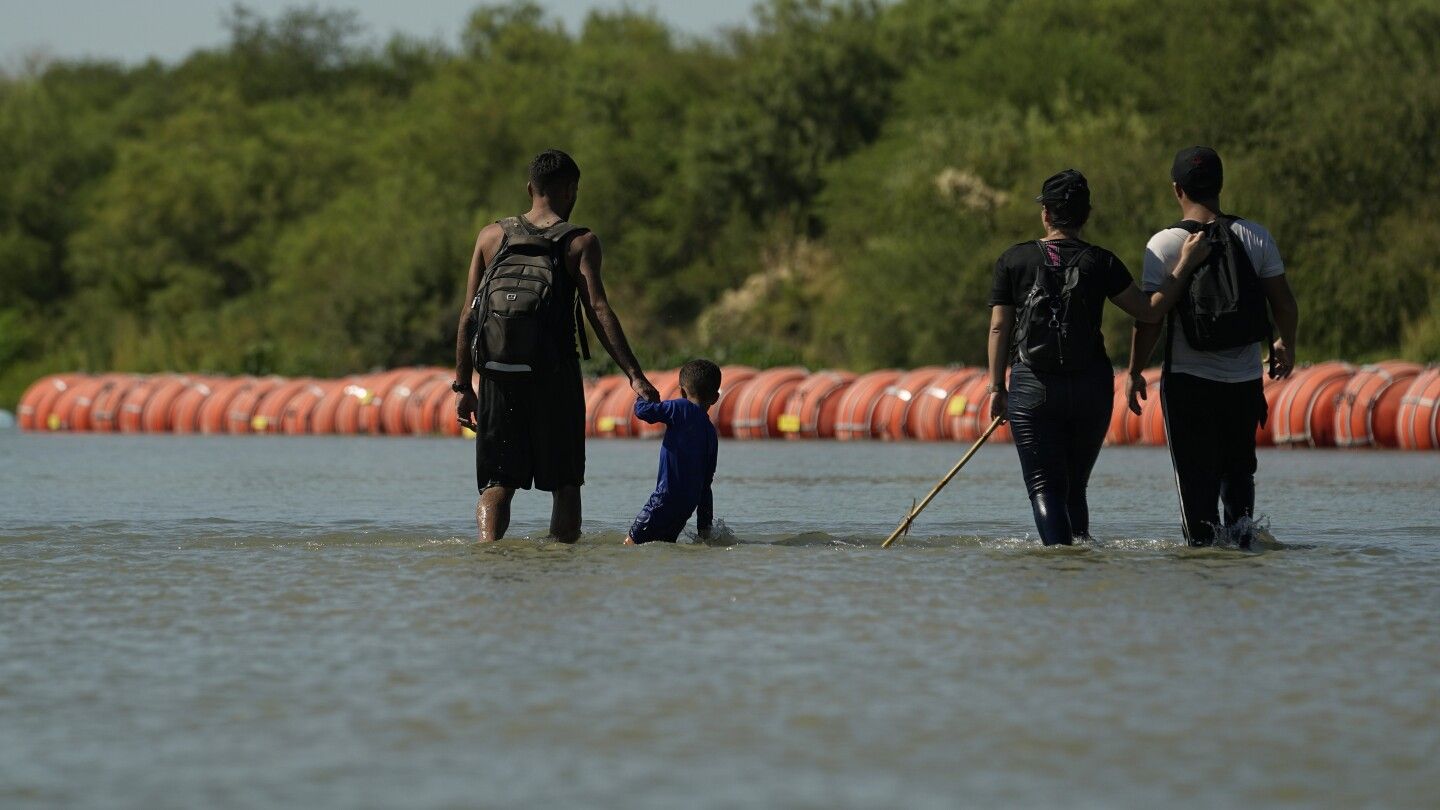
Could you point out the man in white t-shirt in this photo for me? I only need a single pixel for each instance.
(1214, 400)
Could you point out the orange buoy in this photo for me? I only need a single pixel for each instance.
(157, 414)
(60, 413)
(240, 415)
(441, 412)
(1305, 413)
(968, 413)
(420, 405)
(595, 395)
(1265, 434)
(37, 403)
(105, 410)
(379, 384)
(212, 416)
(382, 386)
(355, 396)
(893, 410)
(295, 418)
(185, 411)
(269, 414)
(393, 403)
(668, 384)
(928, 418)
(855, 414)
(762, 403)
(63, 410)
(445, 417)
(614, 417)
(1116, 434)
(967, 406)
(322, 416)
(1152, 420)
(810, 413)
(1417, 423)
(1366, 413)
(733, 380)
(1151, 416)
(132, 407)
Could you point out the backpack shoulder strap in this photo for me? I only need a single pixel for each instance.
(562, 231)
(512, 226)
(1189, 225)
(560, 235)
(1045, 253)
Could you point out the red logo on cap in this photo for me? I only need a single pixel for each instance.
(1197, 161)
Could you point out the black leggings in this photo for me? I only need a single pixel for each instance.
(1059, 422)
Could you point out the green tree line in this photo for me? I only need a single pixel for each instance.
(829, 185)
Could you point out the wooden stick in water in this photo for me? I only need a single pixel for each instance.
(904, 527)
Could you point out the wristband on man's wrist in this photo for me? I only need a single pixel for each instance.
(458, 387)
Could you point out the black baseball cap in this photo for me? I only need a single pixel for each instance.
(1198, 170)
(1066, 191)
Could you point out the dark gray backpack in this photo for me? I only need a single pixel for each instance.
(1053, 331)
(513, 317)
(1224, 304)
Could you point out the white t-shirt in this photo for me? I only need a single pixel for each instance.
(1225, 365)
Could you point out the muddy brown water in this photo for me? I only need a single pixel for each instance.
(254, 621)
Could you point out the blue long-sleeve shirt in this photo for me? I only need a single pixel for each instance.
(688, 455)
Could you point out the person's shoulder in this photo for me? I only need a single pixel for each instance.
(582, 243)
(490, 233)
(1166, 240)
(487, 242)
(1169, 233)
(1019, 253)
(1101, 254)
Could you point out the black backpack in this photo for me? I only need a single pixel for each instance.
(513, 317)
(1224, 305)
(1053, 331)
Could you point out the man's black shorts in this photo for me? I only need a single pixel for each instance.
(532, 433)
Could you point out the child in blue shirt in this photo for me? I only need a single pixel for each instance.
(687, 458)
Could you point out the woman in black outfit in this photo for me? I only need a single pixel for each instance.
(1046, 308)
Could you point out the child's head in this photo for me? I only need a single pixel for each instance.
(700, 382)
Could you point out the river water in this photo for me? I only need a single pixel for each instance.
(254, 621)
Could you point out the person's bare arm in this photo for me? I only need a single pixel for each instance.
(1142, 344)
(1002, 321)
(485, 245)
(1286, 312)
(1151, 308)
(586, 258)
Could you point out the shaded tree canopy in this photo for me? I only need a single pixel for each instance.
(828, 186)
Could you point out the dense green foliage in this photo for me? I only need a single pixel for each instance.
(830, 186)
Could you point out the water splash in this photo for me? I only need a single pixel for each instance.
(1248, 534)
(721, 535)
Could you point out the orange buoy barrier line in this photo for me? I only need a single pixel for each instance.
(1418, 423)
(810, 413)
(1390, 404)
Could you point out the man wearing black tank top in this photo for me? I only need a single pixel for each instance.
(533, 433)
